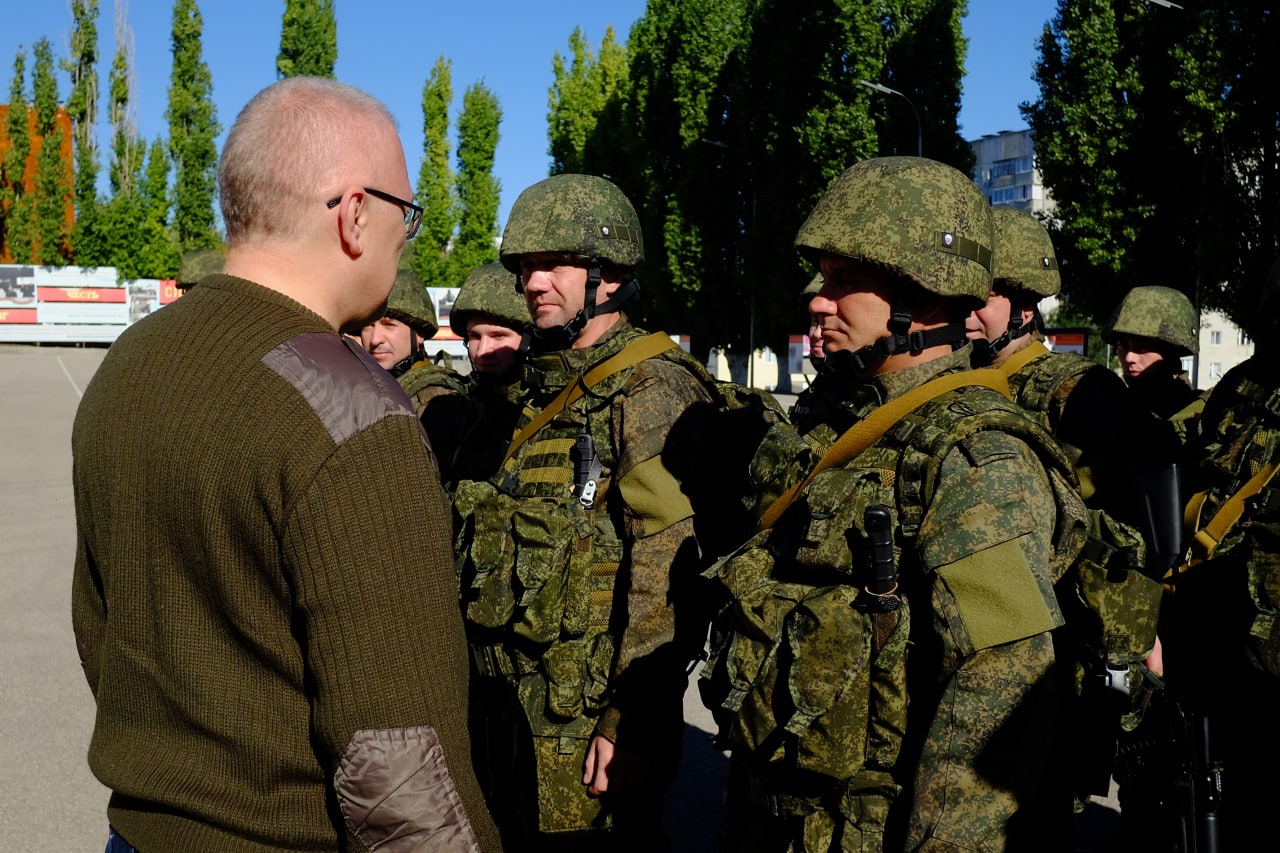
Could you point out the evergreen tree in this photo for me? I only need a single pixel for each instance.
(53, 184)
(435, 181)
(478, 189)
(193, 126)
(87, 237)
(15, 206)
(308, 39)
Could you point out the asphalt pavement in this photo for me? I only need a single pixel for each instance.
(49, 801)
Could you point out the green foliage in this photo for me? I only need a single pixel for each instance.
(193, 127)
(591, 87)
(477, 188)
(127, 150)
(53, 182)
(82, 108)
(15, 207)
(731, 119)
(435, 180)
(139, 244)
(1156, 132)
(308, 39)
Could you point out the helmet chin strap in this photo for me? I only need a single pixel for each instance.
(985, 352)
(417, 352)
(900, 340)
(563, 337)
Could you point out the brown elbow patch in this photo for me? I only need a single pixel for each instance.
(396, 794)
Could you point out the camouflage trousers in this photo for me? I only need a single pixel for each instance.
(810, 815)
(533, 785)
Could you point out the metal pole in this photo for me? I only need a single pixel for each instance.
(919, 129)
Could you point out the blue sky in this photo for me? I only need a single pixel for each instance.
(388, 48)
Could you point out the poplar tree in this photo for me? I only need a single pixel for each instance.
(127, 150)
(193, 127)
(435, 191)
(308, 39)
(478, 189)
(15, 206)
(53, 184)
(87, 237)
(588, 89)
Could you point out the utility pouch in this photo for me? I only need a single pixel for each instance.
(487, 564)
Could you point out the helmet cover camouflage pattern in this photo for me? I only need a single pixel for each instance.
(489, 290)
(910, 216)
(410, 303)
(580, 215)
(1024, 256)
(1155, 312)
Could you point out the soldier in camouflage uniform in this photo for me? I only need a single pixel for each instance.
(575, 554)
(1222, 643)
(1114, 446)
(1153, 328)
(491, 316)
(397, 341)
(969, 490)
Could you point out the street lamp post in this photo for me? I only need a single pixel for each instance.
(887, 91)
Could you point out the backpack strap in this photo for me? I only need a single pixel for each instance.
(868, 431)
(630, 355)
(1022, 357)
(1205, 540)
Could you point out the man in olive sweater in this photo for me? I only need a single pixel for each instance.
(277, 659)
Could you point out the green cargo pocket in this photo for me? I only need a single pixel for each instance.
(595, 692)
(828, 645)
(544, 537)
(593, 571)
(486, 567)
(1124, 606)
(565, 666)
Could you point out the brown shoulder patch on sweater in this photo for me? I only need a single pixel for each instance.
(342, 383)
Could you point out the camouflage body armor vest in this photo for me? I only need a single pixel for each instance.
(809, 687)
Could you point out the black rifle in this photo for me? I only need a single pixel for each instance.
(1197, 782)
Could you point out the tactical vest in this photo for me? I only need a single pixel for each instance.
(1234, 526)
(807, 687)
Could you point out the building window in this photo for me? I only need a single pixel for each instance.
(1242, 339)
(1215, 370)
(1215, 339)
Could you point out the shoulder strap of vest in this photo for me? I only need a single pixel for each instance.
(630, 355)
(1205, 539)
(866, 432)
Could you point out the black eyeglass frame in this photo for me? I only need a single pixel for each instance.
(412, 212)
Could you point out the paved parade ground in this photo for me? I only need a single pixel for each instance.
(49, 802)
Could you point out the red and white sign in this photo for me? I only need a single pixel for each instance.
(80, 294)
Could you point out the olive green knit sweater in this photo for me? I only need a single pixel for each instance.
(262, 573)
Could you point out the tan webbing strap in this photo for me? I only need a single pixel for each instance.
(631, 355)
(1206, 539)
(1022, 357)
(868, 431)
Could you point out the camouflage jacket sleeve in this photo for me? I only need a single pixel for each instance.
(980, 740)
(649, 677)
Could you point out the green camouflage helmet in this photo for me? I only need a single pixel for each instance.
(1161, 313)
(910, 216)
(579, 215)
(410, 303)
(489, 290)
(1024, 257)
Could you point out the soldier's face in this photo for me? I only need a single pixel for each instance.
(1136, 354)
(852, 309)
(554, 289)
(388, 341)
(991, 320)
(492, 347)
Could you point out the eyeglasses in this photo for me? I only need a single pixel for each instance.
(412, 212)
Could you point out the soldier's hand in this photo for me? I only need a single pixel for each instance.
(608, 768)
